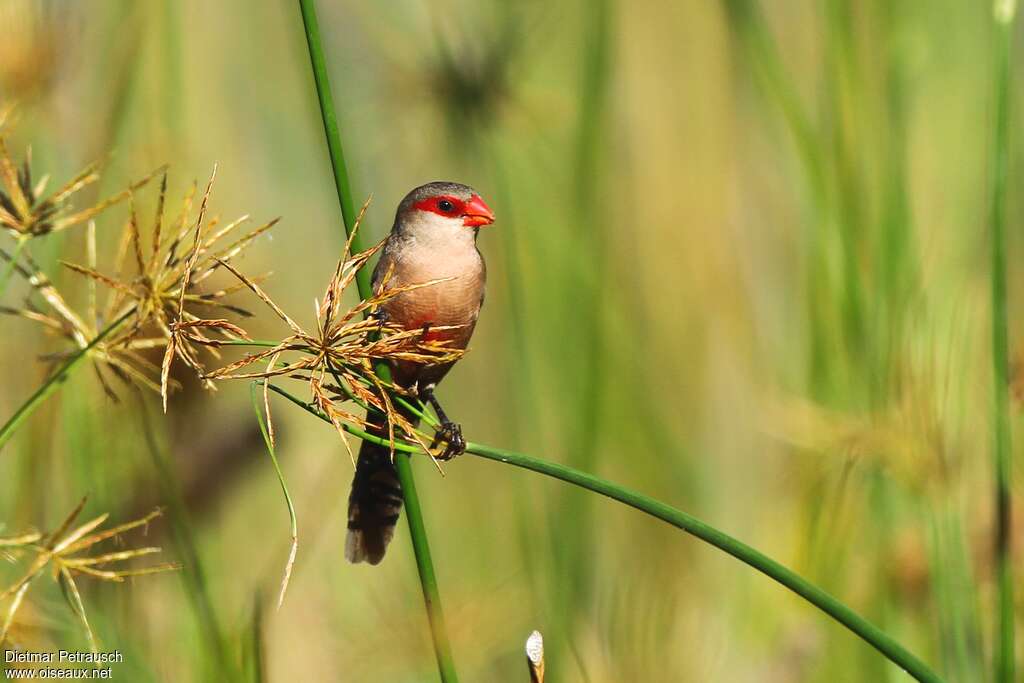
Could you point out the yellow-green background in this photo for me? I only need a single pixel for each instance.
(740, 264)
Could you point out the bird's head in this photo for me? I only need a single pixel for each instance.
(444, 208)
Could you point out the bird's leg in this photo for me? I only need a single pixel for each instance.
(450, 432)
(381, 316)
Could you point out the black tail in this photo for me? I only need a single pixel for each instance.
(374, 503)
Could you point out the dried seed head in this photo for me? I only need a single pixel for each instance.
(64, 552)
(159, 284)
(27, 211)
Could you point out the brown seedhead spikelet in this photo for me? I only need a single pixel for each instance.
(27, 211)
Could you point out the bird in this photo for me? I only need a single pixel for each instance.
(433, 238)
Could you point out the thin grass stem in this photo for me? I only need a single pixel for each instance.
(268, 439)
(55, 380)
(5, 275)
(414, 514)
(331, 131)
(425, 565)
(1004, 650)
(256, 653)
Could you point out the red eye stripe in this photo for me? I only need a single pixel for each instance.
(437, 205)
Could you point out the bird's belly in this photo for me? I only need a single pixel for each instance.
(453, 304)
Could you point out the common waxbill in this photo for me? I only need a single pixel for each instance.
(433, 238)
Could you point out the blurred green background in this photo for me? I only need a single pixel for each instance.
(741, 264)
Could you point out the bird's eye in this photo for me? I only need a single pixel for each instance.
(445, 205)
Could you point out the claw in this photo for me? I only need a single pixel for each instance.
(451, 434)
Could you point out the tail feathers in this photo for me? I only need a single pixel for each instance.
(374, 505)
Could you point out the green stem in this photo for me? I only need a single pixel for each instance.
(1004, 653)
(268, 439)
(828, 604)
(414, 514)
(12, 263)
(55, 380)
(425, 565)
(831, 606)
(331, 132)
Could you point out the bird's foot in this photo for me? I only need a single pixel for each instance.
(381, 316)
(451, 434)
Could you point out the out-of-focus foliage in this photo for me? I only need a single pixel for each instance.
(741, 248)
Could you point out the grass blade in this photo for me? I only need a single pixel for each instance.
(331, 132)
(258, 406)
(1004, 650)
(425, 565)
(256, 654)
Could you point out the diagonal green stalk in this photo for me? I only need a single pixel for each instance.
(414, 513)
(55, 380)
(825, 602)
(1004, 651)
(12, 263)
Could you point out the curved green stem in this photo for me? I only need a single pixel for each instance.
(55, 380)
(828, 604)
(268, 440)
(413, 514)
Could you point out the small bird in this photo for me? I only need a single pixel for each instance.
(433, 238)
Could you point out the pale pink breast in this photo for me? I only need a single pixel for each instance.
(455, 302)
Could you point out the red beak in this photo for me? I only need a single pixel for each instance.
(477, 213)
